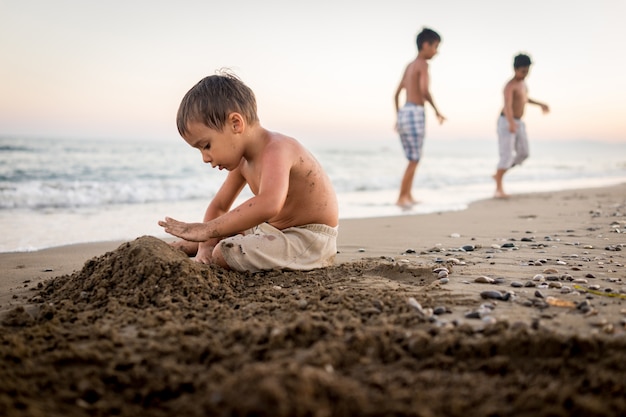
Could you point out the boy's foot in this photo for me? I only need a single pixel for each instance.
(500, 194)
(406, 203)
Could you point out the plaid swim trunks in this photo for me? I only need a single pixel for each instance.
(411, 128)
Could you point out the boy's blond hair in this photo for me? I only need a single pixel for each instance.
(213, 98)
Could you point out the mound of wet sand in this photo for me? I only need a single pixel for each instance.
(143, 330)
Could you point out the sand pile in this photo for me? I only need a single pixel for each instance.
(145, 331)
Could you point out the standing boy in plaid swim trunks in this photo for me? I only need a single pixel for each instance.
(410, 122)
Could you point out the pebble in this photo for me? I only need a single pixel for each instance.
(439, 310)
(495, 295)
(455, 235)
(516, 284)
(550, 271)
(508, 245)
(555, 284)
(580, 281)
(442, 275)
(444, 280)
(468, 248)
(539, 277)
(590, 275)
(584, 306)
(484, 280)
(530, 284)
(566, 290)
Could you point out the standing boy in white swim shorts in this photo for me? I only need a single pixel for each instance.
(512, 139)
(410, 122)
(290, 222)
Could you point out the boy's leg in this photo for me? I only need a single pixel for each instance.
(218, 258)
(301, 248)
(410, 126)
(521, 144)
(506, 143)
(405, 198)
(499, 189)
(190, 248)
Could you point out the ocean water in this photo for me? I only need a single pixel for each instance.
(55, 192)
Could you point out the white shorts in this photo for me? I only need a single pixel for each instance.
(265, 247)
(513, 147)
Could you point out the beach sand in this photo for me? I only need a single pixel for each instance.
(530, 320)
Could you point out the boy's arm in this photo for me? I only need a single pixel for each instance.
(223, 200)
(544, 107)
(396, 97)
(424, 87)
(508, 106)
(273, 187)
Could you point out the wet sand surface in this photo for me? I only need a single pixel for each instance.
(509, 308)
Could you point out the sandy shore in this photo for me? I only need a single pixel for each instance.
(533, 273)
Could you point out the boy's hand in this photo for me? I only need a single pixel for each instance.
(545, 109)
(441, 118)
(187, 231)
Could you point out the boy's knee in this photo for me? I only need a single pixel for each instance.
(218, 257)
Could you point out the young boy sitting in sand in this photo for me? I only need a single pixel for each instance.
(290, 222)
(512, 139)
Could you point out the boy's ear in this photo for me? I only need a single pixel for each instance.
(236, 122)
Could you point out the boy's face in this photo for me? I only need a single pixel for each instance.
(521, 72)
(429, 49)
(218, 148)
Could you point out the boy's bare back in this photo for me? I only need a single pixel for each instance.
(309, 196)
(415, 81)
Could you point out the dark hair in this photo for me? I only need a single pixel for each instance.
(427, 35)
(213, 98)
(521, 60)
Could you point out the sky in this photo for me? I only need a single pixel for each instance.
(321, 70)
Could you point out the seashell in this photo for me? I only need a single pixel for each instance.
(557, 302)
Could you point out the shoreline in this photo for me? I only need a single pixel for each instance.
(368, 204)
